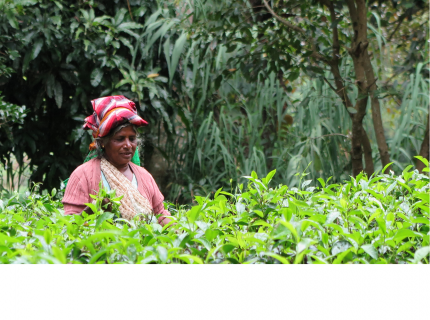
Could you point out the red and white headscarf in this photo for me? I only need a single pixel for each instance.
(110, 112)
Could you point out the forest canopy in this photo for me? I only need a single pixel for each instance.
(333, 87)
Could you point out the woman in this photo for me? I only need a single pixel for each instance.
(114, 124)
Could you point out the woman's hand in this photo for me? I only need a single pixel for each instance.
(106, 205)
(88, 210)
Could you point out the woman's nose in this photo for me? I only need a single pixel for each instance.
(127, 143)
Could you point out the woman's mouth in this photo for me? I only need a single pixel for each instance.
(126, 154)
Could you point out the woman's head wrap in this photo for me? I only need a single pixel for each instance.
(110, 112)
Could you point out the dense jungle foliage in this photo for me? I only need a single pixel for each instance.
(379, 219)
(228, 87)
(337, 90)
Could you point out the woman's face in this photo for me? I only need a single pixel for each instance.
(121, 146)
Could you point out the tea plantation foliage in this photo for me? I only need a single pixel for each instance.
(381, 219)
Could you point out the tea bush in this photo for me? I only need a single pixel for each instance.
(381, 219)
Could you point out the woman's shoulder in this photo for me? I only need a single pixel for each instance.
(86, 169)
(141, 171)
(147, 185)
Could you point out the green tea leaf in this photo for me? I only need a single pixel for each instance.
(194, 213)
(211, 234)
(277, 257)
(421, 254)
(102, 218)
(293, 230)
(341, 256)
(370, 250)
(47, 236)
(406, 233)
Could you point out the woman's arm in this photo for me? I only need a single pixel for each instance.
(163, 219)
(76, 194)
(74, 209)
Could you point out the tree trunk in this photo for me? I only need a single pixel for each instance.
(359, 135)
(376, 111)
(358, 13)
(358, 52)
(424, 149)
(356, 152)
(367, 150)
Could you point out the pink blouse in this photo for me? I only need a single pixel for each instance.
(85, 181)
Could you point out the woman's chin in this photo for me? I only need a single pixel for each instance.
(127, 157)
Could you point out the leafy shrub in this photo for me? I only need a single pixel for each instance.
(381, 219)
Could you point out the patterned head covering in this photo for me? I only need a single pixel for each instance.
(110, 112)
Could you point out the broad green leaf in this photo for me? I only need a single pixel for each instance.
(227, 248)
(421, 254)
(162, 253)
(194, 213)
(376, 214)
(341, 256)
(47, 236)
(332, 216)
(340, 246)
(105, 216)
(211, 234)
(269, 176)
(204, 242)
(240, 208)
(406, 233)
(424, 160)
(217, 193)
(58, 93)
(37, 46)
(190, 259)
(277, 257)
(59, 254)
(370, 250)
(97, 255)
(177, 51)
(382, 224)
(421, 220)
(385, 168)
(318, 260)
(96, 77)
(262, 223)
(293, 230)
(404, 247)
(322, 182)
(300, 256)
(304, 244)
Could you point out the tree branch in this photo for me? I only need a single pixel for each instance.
(129, 10)
(330, 135)
(409, 12)
(282, 20)
(315, 54)
(329, 84)
(397, 28)
(335, 45)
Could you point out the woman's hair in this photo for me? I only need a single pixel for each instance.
(99, 142)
